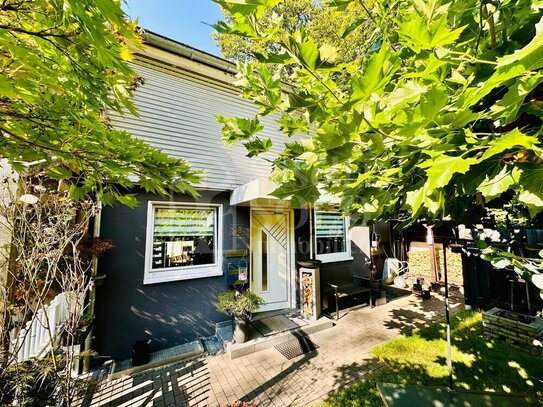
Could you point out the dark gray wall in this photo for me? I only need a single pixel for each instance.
(169, 313)
(360, 245)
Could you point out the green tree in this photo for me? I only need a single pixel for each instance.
(342, 29)
(63, 66)
(440, 109)
(442, 113)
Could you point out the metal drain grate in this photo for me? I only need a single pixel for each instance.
(296, 347)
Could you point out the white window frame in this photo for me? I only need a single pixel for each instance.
(153, 276)
(334, 257)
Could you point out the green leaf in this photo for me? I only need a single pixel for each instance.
(340, 4)
(107, 198)
(429, 8)
(494, 186)
(308, 52)
(273, 58)
(301, 188)
(443, 168)
(291, 125)
(417, 34)
(247, 7)
(59, 172)
(375, 76)
(432, 102)
(409, 92)
(238, 128)
(258, 146)
(508, 141)
(309, 157)
(241, 29)
(501, 263)
(129, 200)
(77, 193)
(341, 154)
(530, 58)
(506, 109)
(353, 26)
(415, 199)
(327, 53)
(531, 181)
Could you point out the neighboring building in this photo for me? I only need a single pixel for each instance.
(173, 256)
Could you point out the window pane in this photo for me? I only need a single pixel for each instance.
(183, 237)
(330, 232)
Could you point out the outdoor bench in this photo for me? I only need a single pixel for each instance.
(339, 283)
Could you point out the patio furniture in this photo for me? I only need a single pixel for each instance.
(339, 283)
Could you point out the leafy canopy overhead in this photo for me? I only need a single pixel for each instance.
(63, 66)
(442, 112)
(345, 30)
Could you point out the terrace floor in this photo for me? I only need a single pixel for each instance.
(267, 378)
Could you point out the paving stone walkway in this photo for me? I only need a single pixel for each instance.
(267, 377)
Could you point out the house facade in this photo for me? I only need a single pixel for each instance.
(173, 255)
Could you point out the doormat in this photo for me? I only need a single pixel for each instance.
(394, 293)
(273, 325)
(296, 347)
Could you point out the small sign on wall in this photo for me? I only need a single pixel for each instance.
(236, 253)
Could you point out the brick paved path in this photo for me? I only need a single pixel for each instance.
(267, 377)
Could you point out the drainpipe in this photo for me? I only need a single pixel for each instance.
(92, 290)
(311, 229)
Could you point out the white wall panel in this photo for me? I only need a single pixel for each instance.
(177, 114)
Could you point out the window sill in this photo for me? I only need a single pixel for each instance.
(178, 275)
(334, 258)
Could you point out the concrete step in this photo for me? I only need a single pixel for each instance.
(213, 345)
(258, 343)
(157, 359)
(224, 331)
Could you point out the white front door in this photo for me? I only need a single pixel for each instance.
(270, 240)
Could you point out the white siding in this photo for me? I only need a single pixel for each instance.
(177, 114)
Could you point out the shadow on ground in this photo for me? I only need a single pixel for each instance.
(420, 314)
(180, 384)
(419, 358)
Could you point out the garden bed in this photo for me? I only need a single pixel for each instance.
(518, 330)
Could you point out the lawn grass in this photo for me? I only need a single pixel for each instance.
(479, 363)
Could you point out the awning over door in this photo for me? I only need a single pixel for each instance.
(257, 193)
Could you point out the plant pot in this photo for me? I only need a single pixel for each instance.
(241, 328)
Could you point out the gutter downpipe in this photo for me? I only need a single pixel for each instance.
(311, 229)
(92, 290)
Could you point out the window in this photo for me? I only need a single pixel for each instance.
(183, 242)
(331, 236)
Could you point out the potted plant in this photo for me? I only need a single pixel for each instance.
(241, 306)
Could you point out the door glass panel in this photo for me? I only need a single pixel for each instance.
(264, 261)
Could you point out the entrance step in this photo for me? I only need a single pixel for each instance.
(224, 331)
(157, 359)
(267, 339)
(213, 345)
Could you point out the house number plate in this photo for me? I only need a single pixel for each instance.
(239, 231)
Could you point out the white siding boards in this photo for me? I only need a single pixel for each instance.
(177, 112)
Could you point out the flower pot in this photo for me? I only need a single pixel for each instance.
(241, 328)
